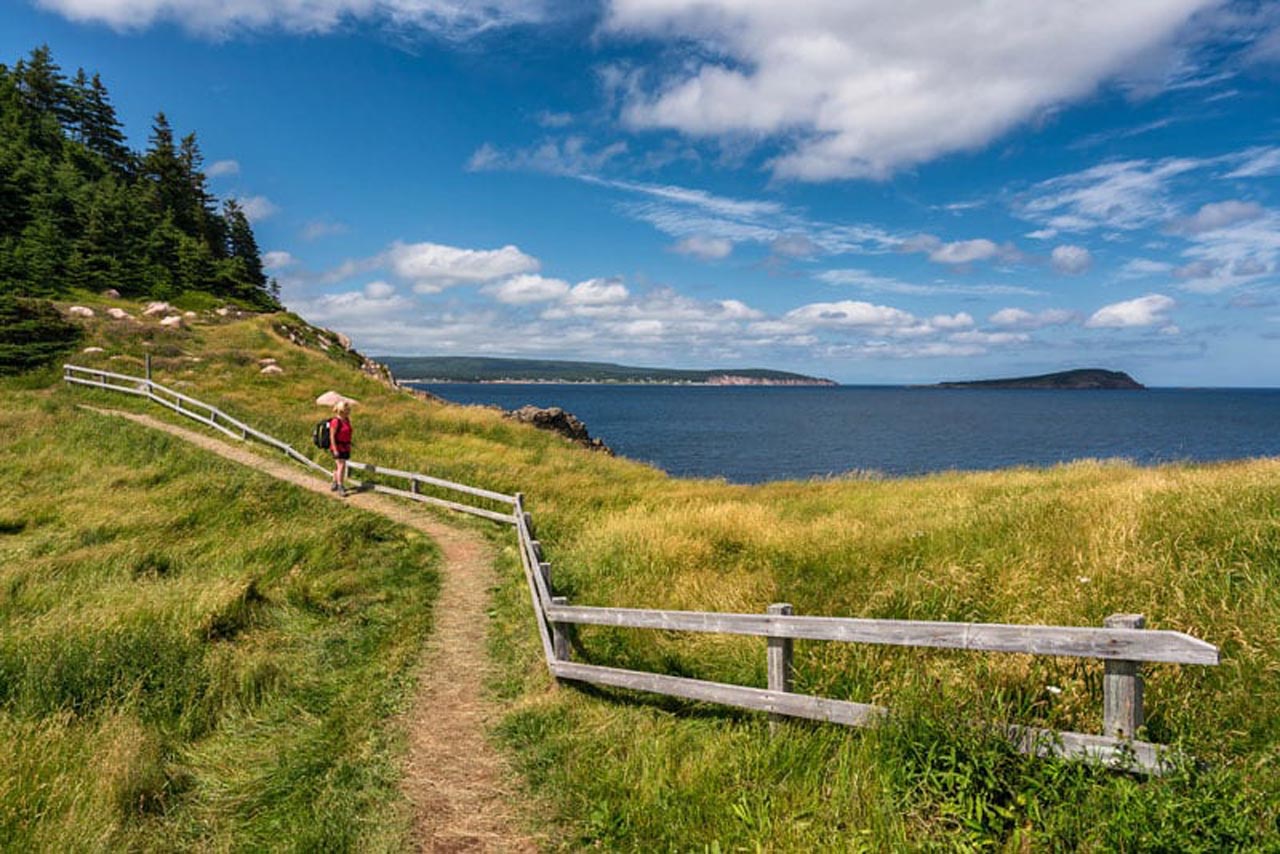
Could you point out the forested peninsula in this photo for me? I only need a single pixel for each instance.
(1081, 378)
(480, 370)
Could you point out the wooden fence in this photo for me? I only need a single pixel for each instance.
(236, 429)
(1122, 643)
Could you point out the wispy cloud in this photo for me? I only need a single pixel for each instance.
(219, 19)
(884, 284)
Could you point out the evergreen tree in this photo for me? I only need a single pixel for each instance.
(79, 209)
(102, 132)
(42, 84)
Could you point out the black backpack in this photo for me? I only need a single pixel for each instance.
(320, 435)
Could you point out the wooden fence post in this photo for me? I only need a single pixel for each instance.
(779, 660)
(545, 569)
(148, 368)
(559, 631)
(1122, 686)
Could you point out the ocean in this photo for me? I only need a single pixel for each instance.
(755, 434)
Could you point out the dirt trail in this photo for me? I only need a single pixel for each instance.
(460, 787)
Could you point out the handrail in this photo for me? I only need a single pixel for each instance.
(1121, 643)
(146, 387)
(1079, 641)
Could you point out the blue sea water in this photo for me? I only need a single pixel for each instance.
(749, 435)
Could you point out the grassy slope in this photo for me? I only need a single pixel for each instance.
(192, 654)
(1195, 548)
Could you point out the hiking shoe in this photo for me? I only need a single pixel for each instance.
(342, 492)
(333, 487)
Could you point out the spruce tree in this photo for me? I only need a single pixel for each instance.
(102, 131)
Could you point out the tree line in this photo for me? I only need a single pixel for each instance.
(80, 210)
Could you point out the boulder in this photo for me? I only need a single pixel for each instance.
(118, 313)
(223, 312)
(188, 314)
(173, 321)
(155, 308)
(111, 293)
(332, 398)
(267, 361)
(92, 350)
(272, 369)
(342, 340)
(80, 311)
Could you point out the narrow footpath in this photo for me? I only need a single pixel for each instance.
(460, 787)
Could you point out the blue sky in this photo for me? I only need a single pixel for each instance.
(872, 192)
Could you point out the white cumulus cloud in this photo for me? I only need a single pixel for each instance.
(598, 292)
(866, 88)
(1149, 310)
(1020, 318)
(1070, 259)
(431, 267)
(527, 288)
(379, 290)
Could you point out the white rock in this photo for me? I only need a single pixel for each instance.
(93, 350)
(111, 293)
(267, 361)
(173, 321)
(330, 398)
(154, 308)
(272, 369)
(80, 311)
(188, 314)
(223, 312)
(343, 340)
(118, 313)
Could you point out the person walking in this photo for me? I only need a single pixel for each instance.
(340, 445)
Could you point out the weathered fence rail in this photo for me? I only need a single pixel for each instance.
(1122, 643)
(213, 417)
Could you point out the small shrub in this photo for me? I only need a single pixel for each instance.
(32, 334)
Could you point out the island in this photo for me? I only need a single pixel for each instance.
(468, 369)
(1080, 378)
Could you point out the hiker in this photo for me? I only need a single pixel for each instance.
(340, 444)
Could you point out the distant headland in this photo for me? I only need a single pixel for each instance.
(466, 369)
(1081, 378)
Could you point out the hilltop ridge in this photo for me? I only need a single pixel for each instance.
(486, 369)
(1079, 378)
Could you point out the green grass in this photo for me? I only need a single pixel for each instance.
(193, 655)
(1194, 548)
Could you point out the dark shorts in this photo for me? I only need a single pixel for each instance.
(342, 455)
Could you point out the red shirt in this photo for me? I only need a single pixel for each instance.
(340, 434)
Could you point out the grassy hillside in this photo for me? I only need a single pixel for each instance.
(193, 655)
(1195, 548)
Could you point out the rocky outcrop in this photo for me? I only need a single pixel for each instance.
(557, 420)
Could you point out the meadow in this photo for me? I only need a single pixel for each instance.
(193, 655)
(1194, 548)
